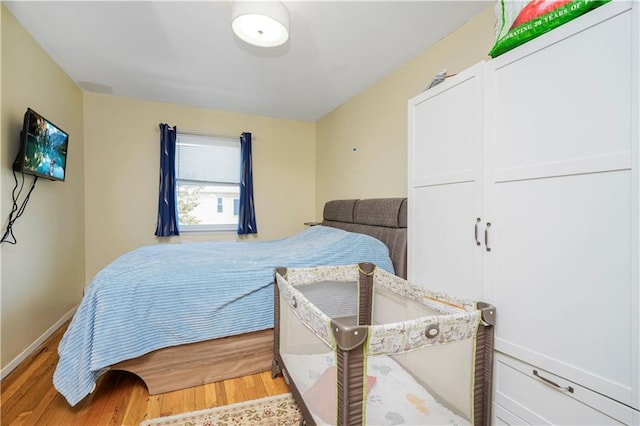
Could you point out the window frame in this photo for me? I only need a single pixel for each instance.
(211, 140)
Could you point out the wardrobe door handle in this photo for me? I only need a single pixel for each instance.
(475, 233)
(552, 383)
(486, 236)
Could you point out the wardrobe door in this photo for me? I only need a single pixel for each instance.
(445, 194)
(561, 202)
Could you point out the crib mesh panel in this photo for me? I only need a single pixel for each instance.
(309, 363)
(362, 346)
(427, 384)
(308, 355)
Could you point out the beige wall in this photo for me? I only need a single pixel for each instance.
(43, 275)
(362, 145)
(122, 167)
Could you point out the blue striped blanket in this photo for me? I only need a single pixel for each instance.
(172, 294)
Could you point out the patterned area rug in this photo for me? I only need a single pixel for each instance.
(278, 410)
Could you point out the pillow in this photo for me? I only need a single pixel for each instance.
(320, 398)
(520, 21)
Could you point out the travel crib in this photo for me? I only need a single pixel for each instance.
(358, 345)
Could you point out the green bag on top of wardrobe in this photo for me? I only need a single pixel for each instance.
(517, 22)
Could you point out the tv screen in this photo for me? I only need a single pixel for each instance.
(43, 148)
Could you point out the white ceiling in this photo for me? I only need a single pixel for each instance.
(185, 52)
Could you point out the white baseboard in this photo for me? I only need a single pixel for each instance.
(17, 360)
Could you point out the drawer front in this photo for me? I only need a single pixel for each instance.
(500, 417)
(539, 397)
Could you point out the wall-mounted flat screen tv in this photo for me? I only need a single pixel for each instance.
(43, 148)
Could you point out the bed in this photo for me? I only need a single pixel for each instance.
(359, 345)
(180, 315)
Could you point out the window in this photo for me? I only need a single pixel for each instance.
(207, 181)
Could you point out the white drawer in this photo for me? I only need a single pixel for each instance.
(532, 400)
(502, 417)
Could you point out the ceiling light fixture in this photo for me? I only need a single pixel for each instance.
(261, 23)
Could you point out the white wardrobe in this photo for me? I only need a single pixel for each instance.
(524, 192)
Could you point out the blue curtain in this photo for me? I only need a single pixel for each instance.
(167, 203)
(247, 213)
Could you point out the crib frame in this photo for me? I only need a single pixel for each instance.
(350, 357)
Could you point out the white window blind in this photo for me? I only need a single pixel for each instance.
(202, 159)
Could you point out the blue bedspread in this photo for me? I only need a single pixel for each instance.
(171, 294)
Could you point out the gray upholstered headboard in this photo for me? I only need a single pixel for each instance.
(382, 218)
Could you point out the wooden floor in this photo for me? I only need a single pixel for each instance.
(27, 395)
